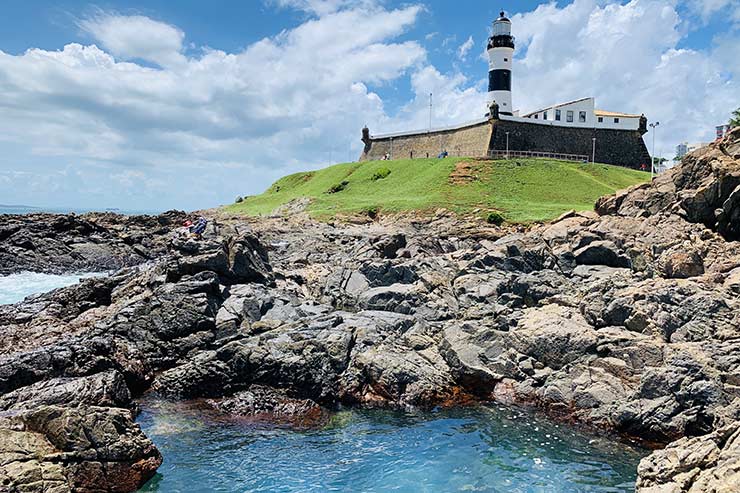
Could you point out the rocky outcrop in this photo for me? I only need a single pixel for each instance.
(61, 449)
(92, 242)
(704, 189)
(627, 321)
(694, 465)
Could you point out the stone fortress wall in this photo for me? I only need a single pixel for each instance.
(620, 147)
(467, 141)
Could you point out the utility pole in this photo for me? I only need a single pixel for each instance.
(652, 158)
(430, 112)
(507, 145)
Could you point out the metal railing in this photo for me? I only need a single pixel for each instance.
(503, 154)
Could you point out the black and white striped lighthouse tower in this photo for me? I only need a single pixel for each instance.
(500, 55)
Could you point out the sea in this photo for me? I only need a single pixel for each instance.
(27, 209)
(486, 448)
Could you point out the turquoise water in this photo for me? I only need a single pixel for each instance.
(482, 449)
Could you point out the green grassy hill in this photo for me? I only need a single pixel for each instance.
(520, 189)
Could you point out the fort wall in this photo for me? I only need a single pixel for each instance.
(613, 146)
(619, 147)
(468, 141)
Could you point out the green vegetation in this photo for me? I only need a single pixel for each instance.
(521, 190)
(338, 187)
(735, 120)
(495, 218)
(381, 174)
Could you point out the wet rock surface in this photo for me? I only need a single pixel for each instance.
(55, 243)
(627, 320)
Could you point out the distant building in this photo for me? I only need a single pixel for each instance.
(685, 148)
(722, 131)
(575, 130)
(682, 149)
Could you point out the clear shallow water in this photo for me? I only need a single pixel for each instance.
(16, 287)
(483, 449)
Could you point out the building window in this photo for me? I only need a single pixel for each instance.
(569, 116)
(616, 120)
(582, 116)
(536, 117)
(557, 115)
(545, 116)
(601, 119)
(506, 59)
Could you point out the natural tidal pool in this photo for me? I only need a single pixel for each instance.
(478, 449)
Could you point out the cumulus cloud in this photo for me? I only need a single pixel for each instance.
(136, 36)
(235, 121)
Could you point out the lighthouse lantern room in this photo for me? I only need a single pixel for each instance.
(500, 55)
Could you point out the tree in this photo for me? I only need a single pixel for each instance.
(735, 120)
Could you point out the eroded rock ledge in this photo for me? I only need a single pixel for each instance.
(627, 321)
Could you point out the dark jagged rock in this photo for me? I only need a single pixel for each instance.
(78, 243)
(704, 189)
(273, 406)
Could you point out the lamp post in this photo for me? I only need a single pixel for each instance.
(430, 112)
(507, 145)
(593, 150)
(652, 158)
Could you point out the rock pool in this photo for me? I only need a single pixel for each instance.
(485, 449)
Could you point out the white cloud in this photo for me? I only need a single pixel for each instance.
(132, 37)
(208, 127)
(462, 51)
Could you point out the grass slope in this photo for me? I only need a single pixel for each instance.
(521, 189)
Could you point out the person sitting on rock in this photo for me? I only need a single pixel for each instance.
(199, 227)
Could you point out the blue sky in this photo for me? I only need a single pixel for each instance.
(160, 104)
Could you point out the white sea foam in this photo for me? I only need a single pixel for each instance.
(16, 287)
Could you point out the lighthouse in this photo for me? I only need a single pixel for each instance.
(500, 55)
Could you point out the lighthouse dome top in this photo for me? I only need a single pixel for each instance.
(502, 26)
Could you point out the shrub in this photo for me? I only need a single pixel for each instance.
(381, 174)
(338, 187)
(239, 200)
(495, 218)
(371, 211)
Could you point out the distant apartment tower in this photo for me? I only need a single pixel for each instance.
(682, 149)
(500, 56)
